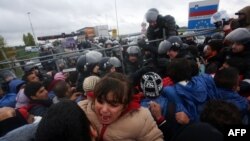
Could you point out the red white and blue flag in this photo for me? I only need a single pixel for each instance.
(200, 13)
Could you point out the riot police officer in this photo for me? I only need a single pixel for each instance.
(87, 65)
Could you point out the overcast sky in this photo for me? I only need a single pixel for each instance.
(57, 16)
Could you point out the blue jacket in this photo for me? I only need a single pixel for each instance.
(233, 97)
(8, 100)
(14, 85)
(160, 100)
(191, 98)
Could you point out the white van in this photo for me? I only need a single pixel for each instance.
(32, 49)
(28, 49)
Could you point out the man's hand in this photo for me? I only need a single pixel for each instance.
(7, 112)
(155, 110)
(182, 118)
(75, 95)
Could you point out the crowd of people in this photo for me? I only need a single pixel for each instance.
(171, 89)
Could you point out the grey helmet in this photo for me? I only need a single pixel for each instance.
(29, 66)
(240, 35)
(102, 63)
(108, 62)
(100, 44)
(217, 35)
(188, 33)
(176, 42)
(115, 62)
(92, 57)
(219, 16)
(164, 46)
(134, 50)
(154, 9)
(108, 42)
(152, 15)
(61, 63)
(117, 50)
(94, 54)
(220, 19)
(115, 42)
(184, 46)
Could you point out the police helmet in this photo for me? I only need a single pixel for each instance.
(108, 42)
(176, 42)
(94, 56)
(164, 46)
(117, 50)
(29, 66)
(87, 59)
(115, 62)
(184, 46)
(103, 62)
(152, 15)
(240, 35)
(100, 44)
(189, 33)
(115, 42)
(108, 62)
(133, 50)
(217, 35)
(220, 16)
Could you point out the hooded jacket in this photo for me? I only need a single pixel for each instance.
(190, 98)
(233, 97)
(15, 85)
(8, 100)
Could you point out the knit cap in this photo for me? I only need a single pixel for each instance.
(89, 83)
(59, 76)
(151, 84)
